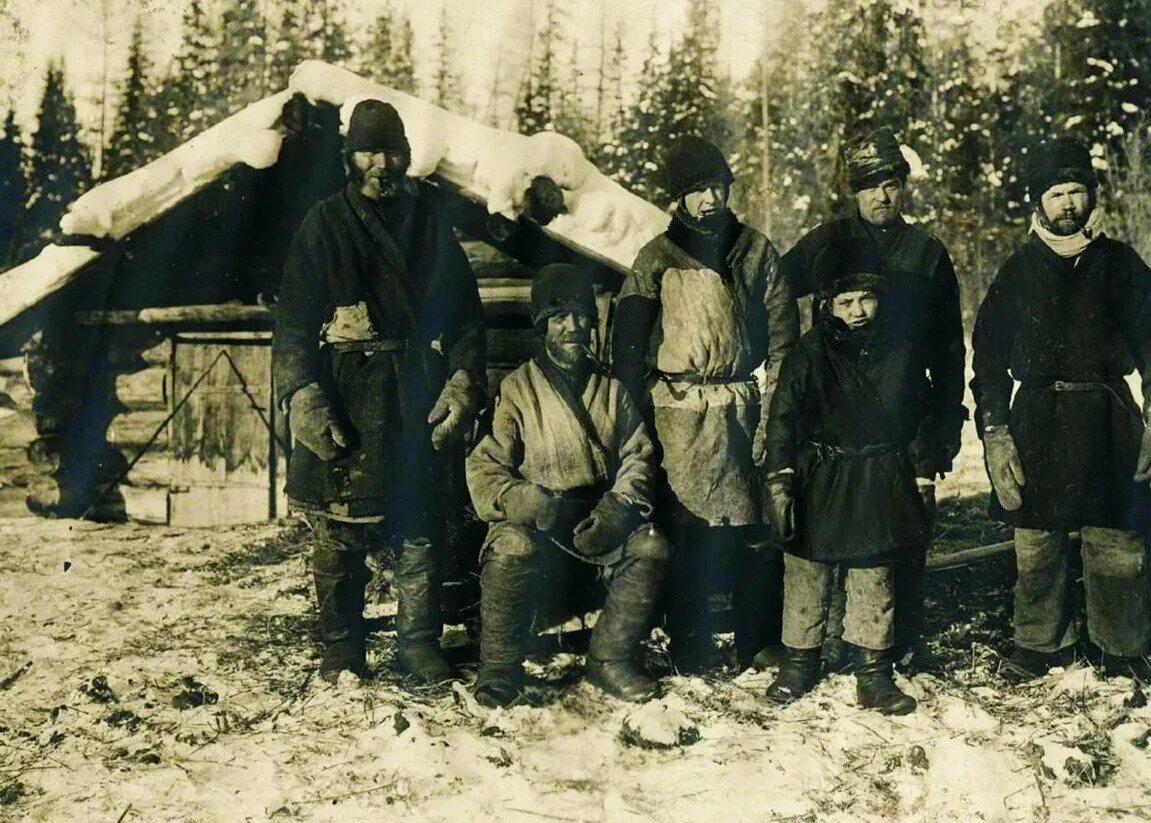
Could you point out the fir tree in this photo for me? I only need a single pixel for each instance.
(550, 100)
(60, 170)
(242, 56)
(188, 102)
(635, 156)
(326, 31)
(13, 187)
(287, 47)
(697, 101)
(388, 55)
(133, 141)
(445, 91)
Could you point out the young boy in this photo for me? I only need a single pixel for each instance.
(840, 484)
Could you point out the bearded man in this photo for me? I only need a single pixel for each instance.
(379, 360)
(1067, 317)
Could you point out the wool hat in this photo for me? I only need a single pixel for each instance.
(692, 162)
(1062, 160)
(376, 126)
(874, 158)
(561, 287)
(850, 264)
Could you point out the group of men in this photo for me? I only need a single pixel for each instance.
(719, 447)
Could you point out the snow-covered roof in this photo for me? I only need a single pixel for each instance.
(489, 165)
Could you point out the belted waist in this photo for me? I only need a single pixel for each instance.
(393, 345)
(1102, 383)
(826, 451)
(700, 379)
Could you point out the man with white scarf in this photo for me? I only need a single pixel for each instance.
(1067, 317)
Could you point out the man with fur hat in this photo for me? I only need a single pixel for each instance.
(846, 425)
(567, 466)
(703, 307)
(922, 305)
(1067, 317)
(379, 360)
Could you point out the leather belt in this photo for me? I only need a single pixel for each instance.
(825, 451)
(369, 345)
(699, 379)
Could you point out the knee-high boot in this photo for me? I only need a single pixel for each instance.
(418, 620)
(340, 577)
(505, 615)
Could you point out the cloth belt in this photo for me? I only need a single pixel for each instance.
(699, 379)
(826, 451)
(369, 345)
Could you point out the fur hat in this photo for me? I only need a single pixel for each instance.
(1062, 160)
(376, 126)
(561, 287)
(692, 162)
(850, 264)
(873, 159)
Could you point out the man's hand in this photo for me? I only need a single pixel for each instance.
(314, 424)
(1143, 464)
(926, 489)
(611, 523)
(526, 504)
(453, 411)
(1004, 467)
(780, 494)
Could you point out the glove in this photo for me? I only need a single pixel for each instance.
(1143, 464)
(781, 504)
(526, 504)
(759, 442)
(610, 523)
(1003, 467)
(926, 490)
(314, 424)
(453, 410)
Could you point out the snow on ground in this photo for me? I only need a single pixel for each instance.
(171, 678)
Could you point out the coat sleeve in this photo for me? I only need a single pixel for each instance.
(301, 309)
(1135, 320)
(493, 465)
(991, 341)
(945, 350)
(798, 265)
(635, 478)
(786, 411)
(468, 349)
(782, 321)
(637, 311)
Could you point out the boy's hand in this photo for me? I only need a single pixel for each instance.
(781, 504)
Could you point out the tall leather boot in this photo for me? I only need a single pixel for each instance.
(874, 686)
(757, 605)
(418, 621)
(340, 577)
(622, 625)
(798, 674)
(505, 614)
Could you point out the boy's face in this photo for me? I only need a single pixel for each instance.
(706, 200)
(855, 308)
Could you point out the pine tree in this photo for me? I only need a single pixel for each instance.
(388, 55)
(189, 101)
(60, 169)
(287, 47)
(697, 102)
(241, 76)
(13, 187)
(133, 141)
(326, 31)
(445, 91)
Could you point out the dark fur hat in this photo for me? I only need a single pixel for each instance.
(376, 126)
(851, 264)
(1062, 160)
(873, 159)
(692, 162)
(560, 287)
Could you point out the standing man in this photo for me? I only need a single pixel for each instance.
(1068, 315)
(922, 307)
(702, 308)
(567, 466)
(379, 359)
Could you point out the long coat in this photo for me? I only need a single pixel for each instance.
(689, 334)
(847, 418)
(921, 305)
(536, 436)
(379, 306)
(1068, 332)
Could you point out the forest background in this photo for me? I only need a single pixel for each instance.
(966, 87)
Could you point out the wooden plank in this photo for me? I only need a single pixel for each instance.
(145, 390)
(965, 557)
(132, 429)
(17, 429)
(159, 315)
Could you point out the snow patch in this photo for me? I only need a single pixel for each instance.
(660, 724)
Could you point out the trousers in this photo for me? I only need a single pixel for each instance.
(869, 618)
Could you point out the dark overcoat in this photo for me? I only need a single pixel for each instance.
(847, 418)
(1068, 331)
(921, 305)
(379, 306)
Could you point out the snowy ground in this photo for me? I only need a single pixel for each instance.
(151, 674)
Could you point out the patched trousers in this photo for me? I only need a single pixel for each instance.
(869, 619)
(1116, 581)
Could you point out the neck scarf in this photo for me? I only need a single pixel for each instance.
(709, 240)
(1069, 245)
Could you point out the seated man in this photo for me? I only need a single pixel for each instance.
(568, 466)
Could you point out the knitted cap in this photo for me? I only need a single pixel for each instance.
(376, 126)
(1062, 160)
(693, 162)
(873, 159)
(560, 287)
(851, 264)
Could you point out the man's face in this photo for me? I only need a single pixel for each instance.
(568, 338)
(709, 199)
(855, 308)
(1066, 207)
(880, 205)
(381, 173)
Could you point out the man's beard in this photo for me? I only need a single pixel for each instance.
(378, 184)
(568, 357)
(1066, 223)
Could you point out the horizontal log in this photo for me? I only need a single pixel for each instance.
(207, 313)
(965, 557)
(12, 366)
(145, 390)
(17, 429)
(135, 428)
(145, 505)
(153, 470)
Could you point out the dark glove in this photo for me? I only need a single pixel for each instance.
(314, 424)
(951, 435)
(454, 410)
(779, 491)
(527, 504)
(1003, 467)
(759, 441)
(610, 523)
(1143, 463)
(927, 495)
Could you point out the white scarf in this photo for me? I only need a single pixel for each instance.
(1069, 245)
